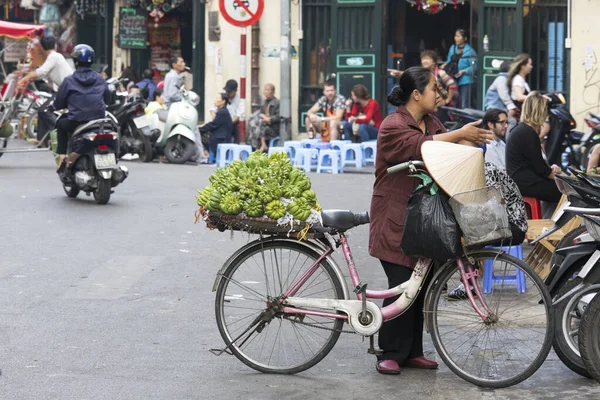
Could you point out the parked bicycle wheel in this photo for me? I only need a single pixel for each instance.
(568, 314)
(589, 338)
(250, 316)
(507, 347)
(32, 123)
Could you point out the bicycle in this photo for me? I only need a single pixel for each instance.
(294, 297)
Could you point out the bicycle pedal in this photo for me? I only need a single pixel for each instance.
(218, 352)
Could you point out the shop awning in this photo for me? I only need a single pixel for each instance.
(19, 31)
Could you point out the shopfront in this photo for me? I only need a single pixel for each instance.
(150, 33)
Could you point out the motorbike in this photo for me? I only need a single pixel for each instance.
(563, 141)
(591, 139)
(136, 137)
(178, 138)
(571, 262)
(589, 334)
(92, 151)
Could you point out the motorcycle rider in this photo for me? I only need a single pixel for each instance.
(56, 69)
(84, 94)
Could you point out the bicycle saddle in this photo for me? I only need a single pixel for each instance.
(342, 220)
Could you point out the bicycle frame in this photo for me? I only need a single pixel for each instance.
(407, 291)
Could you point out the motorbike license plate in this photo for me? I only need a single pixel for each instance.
(141, 121)
(105, 161)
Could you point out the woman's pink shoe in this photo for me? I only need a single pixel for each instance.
(388, 367)
(421, 363)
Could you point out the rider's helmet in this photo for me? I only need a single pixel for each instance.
(83, 55)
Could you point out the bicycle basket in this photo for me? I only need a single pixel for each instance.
(481, 215)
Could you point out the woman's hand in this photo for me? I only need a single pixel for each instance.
(472, 133)
(556, 169)
(461, 73)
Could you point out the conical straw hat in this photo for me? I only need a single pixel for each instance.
(454, 167)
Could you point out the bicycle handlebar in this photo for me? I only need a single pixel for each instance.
(405, 166)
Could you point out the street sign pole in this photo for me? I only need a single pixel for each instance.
(242, 123)
(242, 13)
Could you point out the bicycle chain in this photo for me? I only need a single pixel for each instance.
(320, 327)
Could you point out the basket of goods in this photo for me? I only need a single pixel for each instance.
(260, 195)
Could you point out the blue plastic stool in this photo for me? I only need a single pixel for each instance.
(304, 158)
(274, 142)
(489, 279)
(291, 146)
(337, 144)
(369, 151)
(352, 154)
(241, 151)
(225, 154)
(330, 160)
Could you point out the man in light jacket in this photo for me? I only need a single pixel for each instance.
(173, 81)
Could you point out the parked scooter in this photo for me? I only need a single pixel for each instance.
(135, 134)
(178, 139)
(589, 337)
(92, 151)
(591, 139)
(562, 142)
(569, 262)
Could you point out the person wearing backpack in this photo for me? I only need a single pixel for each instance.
(146, 85)
(462, 64)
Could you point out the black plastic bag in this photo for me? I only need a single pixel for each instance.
(430, 230)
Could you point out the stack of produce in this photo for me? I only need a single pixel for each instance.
(261, 186)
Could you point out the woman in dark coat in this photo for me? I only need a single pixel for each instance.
(400, 138)
(220, 129)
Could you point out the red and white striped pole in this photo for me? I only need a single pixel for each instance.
(242, 124)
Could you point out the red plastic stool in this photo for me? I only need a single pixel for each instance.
(535, 207)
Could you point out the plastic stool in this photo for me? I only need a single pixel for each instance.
(337, 144)
(369, 151)
(489, 279)
(291, 146)
(304, 158)
(274, 142)
(352, 153)
(277, 150)
(241, 151)
(535, 206)
(334, 161)
(309, 143)
(224, 154)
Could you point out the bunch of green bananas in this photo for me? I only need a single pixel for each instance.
(275, 209)
(214, 201)
(204, 196)
(257, 160)
(231, 204)
(253, 207)
(299, 208)
(269, 191)
(310, 197)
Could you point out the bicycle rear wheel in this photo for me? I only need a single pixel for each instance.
(250, 317)
(508, 347)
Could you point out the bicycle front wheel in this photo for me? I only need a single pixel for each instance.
(250, 317)
(512, 342)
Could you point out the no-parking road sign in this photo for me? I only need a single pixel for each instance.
(241, 12)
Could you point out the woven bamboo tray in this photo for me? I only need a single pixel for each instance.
(224, 222)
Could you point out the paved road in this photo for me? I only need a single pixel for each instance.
(115, 302)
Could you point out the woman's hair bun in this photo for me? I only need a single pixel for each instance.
(396, 96)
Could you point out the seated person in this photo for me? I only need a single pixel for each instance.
(496, 120)
(157, 103)
(146, 85)
(235, 106)
(333, 106)
(220, 129)
(83, 93)
(592, 166)
(264, 124)
(365, 113)
(525, 162)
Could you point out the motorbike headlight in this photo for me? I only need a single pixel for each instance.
(194, 99)
(593, 228)
(561, 98)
